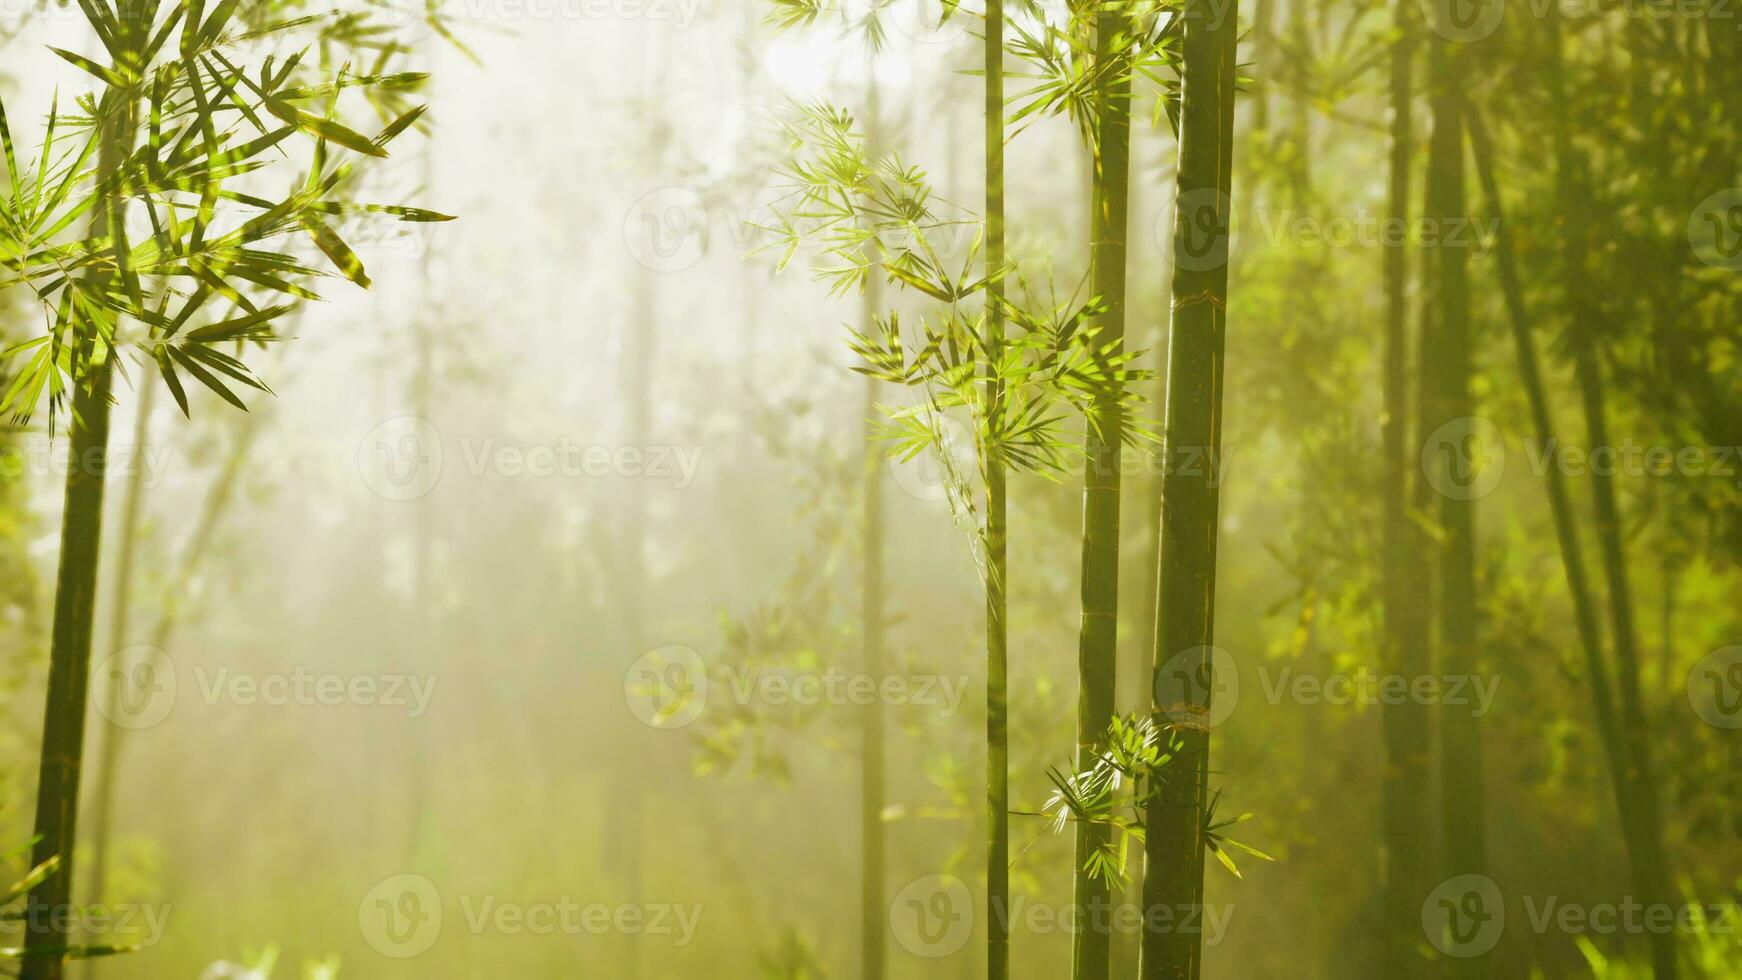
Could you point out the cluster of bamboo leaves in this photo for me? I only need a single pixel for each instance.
(201, 135)
(863, 215)
(1140, 764)
(11, 912)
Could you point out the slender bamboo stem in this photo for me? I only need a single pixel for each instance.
(1406, 781)
(1447, 399)
(1185, 607)
(1646, 857)
(997, 565)
(108, 735)
(1560, 500)
(873, 842)
(63, 730)
(1097, 641)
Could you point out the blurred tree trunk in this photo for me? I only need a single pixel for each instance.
(1560, 501)
(172, 612)
(1406, 783)
(1174, 847)
(1647, 861)
(1097, 646)
(1448, 402)
(630, 814)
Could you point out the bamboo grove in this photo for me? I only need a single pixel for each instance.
(1095, 489)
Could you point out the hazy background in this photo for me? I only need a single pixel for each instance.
(608, 167)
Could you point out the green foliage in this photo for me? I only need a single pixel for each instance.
(868, 216)
(1142, 762)
(14, 897)
(165, 275)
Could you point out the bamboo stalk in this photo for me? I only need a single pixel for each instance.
(1405, 785)
(1647, 860)
(63, 729)
(997, 595)
(1185, 607)
(1097, 642)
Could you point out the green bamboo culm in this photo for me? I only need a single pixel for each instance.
(1406, 782)
(1186, 580)
(75, 600)
(997, 565)
(1615, 749)
(872, 912)
(1648, 864)
(1447, 399)
(1097, 642)
(108, 734)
